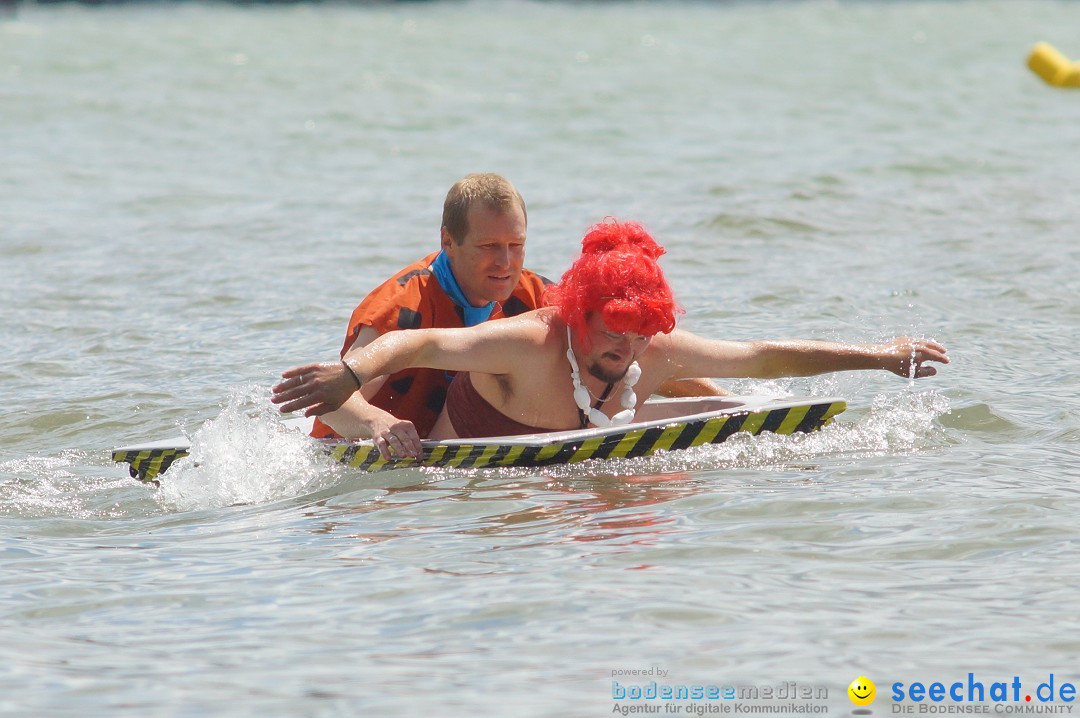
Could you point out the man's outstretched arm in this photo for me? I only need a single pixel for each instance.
(490, 348)
(692, 355)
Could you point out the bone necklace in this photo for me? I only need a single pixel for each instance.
(628, 400)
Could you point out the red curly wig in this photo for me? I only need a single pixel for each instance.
(616, 276)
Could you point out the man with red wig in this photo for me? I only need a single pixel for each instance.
(476, 276)
(603, 344)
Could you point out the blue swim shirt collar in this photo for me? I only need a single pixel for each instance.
(445, 276)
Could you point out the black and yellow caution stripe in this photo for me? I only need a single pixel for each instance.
(147, 464)
(780, 417)
(627, 443)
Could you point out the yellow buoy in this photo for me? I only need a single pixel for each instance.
(1049, 64)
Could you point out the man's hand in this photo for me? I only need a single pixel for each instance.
(319, 388)
(395, 437)
(907, 357)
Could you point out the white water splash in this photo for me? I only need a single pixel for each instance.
(896, 424)
(900, 423)
(245, 455)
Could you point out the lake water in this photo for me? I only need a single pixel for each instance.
(194, 196)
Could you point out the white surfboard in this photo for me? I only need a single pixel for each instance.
(662, 425)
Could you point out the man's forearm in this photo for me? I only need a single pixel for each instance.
(808, 358)
(388, 354)
(356, 419)
(901, 356)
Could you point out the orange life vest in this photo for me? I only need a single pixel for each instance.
(413, 299)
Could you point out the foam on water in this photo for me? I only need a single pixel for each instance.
(40, 486)
(895, 424)
(245, 455)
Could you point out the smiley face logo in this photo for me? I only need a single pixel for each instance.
(862, 691)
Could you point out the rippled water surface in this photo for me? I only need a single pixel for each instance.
(193, 197)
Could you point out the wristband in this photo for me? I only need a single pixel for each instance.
(353, 373)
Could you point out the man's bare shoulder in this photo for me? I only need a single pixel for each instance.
(663, 344)
(535, 327)
(680, 338)
(682, 346)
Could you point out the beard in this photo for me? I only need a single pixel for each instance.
(607, 375)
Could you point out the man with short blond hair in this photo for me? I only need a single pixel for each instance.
(487, 188)
(477, 275)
